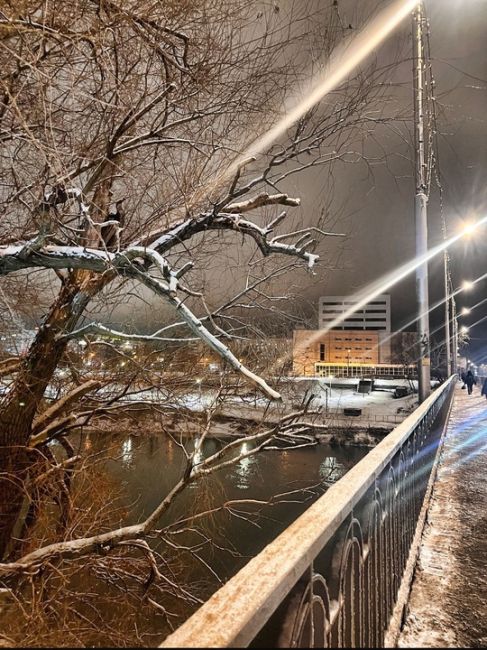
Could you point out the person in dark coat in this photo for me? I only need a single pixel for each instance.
(484, 388)
(470, 381)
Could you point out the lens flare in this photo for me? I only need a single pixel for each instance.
(343, 61)
(362, 298)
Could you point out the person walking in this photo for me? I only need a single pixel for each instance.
(470, 381)
(484, 388)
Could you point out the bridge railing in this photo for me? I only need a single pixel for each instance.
(332, 578)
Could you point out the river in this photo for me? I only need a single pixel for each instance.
(145, 467)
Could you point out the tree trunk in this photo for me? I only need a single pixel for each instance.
(22, 402)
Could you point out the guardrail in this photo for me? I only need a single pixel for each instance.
(333, 576)
(390, 418)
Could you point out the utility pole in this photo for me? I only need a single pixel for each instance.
(455, 335)
(420, 208)
(449, 360)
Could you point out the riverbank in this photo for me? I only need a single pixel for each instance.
(231, 423)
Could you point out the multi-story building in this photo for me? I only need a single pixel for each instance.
(354, 343)
(335, 311)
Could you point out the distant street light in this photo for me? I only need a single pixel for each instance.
(198, 383)
(464, 329)
(465, 311)
(469, 228)
(467, 285)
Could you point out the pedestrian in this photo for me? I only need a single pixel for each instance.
(484, 388)
(470, 381)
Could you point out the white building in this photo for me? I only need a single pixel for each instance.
(375, 315)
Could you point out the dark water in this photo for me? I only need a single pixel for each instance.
(147, 467)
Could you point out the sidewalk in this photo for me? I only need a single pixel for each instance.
(448, 604)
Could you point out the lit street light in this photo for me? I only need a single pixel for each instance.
(465, 311)
(469, 228)
(198, 383)
(467, 285)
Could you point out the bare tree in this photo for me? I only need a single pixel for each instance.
(118, 123)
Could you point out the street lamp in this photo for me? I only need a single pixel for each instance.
(330, 377)
(465, 311)
(467, 285)
(468, 229)
(198, 383)
(420, 206)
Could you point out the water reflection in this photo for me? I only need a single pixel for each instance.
(331, 469)
(127, 451)
(245, 467)
(149, 467)
(146, 468)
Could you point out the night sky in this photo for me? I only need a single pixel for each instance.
(374, 203)
(380, 209)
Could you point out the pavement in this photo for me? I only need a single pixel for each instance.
(448, 603)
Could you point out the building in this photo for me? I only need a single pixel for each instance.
(361, 344)
(374, 316)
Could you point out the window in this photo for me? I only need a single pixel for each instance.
(322, 351)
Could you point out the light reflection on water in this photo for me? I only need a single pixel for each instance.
(127, 451)
(145, 468)
(245, 468)
(148, 467)
(330, 466)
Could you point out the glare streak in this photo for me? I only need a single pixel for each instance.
(343, 61)
(362, 298)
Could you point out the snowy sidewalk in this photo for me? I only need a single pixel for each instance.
(449, 596)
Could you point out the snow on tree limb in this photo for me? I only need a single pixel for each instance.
(103, 330)
(135, 260)
(125, 263)
(168, 291)
(261, 200)
(62, 404)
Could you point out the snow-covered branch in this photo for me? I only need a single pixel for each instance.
(104, 542)
(61, 405)
(260, 201)
(108, 332)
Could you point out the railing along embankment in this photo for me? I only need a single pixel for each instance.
(339, 575)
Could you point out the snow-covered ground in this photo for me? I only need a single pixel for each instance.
(375, 403)
(377, 406)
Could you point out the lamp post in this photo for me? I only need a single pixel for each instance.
(455, 335)
(328, 392)
(449, 361)
(198, 383)
(420, 208)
